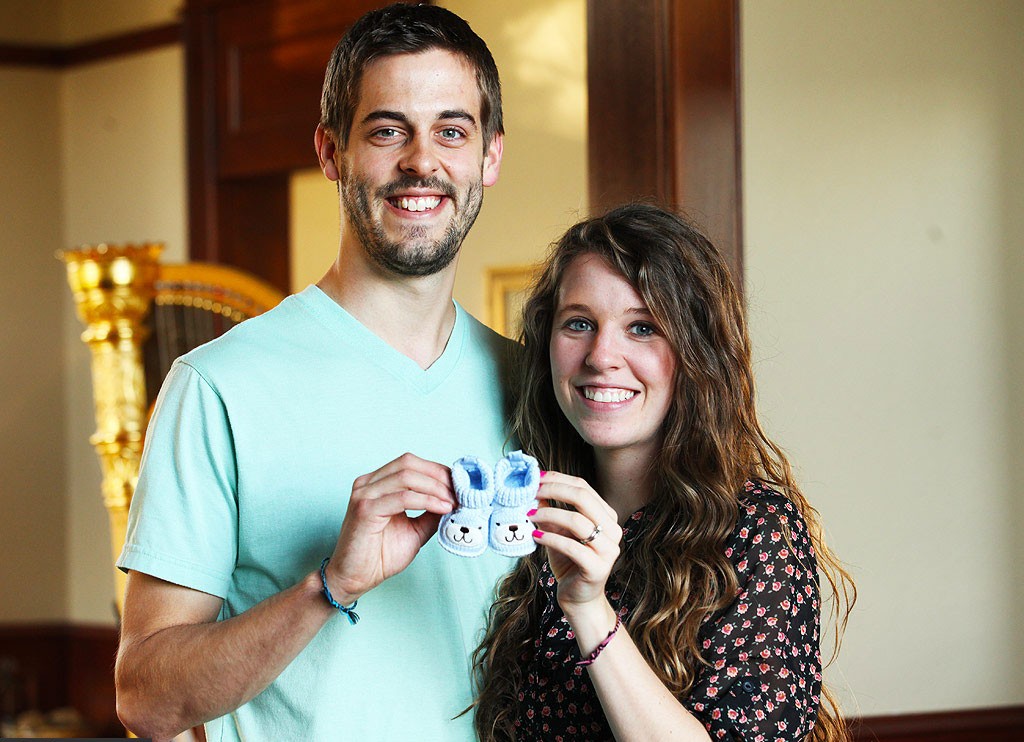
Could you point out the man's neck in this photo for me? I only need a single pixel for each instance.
(413, 314)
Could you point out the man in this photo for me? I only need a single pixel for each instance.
(255, 464)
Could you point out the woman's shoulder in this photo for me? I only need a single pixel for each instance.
(768, 520)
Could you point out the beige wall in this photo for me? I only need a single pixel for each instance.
(883, 184)
(96, 153)
(540, 50)
(30, 21)
(74, 21)
(83, 20)
(33, 513)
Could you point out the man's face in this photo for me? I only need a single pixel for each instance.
(413, 172)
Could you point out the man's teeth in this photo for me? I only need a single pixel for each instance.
(607, 395)
(417, 204)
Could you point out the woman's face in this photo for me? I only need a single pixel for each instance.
(611, 366)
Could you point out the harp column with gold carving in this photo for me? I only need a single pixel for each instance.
(113, 287)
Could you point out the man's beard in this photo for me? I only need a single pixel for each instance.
(414, 254)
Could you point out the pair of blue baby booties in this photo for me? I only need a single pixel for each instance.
(492, 506)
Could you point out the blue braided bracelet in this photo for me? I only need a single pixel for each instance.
(348, 610)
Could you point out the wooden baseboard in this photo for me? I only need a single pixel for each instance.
(53, 666)
(992, 724)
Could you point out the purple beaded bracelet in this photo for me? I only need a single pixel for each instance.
(593, 655)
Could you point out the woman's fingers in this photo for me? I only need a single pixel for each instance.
(576, 493)
(570, 523)
(594, 564)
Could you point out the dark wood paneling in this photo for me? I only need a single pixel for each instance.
(664, 107)
(253, 226)
(60, 665)
(626, 125)
(995, 724)
(61, 57)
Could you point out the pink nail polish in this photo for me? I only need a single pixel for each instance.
(542, 474)
(531, 513)
(538, 534)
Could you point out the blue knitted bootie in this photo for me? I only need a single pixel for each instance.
(516, 479)
(464, 530)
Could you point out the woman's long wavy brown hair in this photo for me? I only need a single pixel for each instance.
(713, 443)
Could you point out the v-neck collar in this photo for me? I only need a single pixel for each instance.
(359, 338)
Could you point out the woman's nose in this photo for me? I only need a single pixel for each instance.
(604, 352)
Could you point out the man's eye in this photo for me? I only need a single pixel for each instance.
(578, 325)
(452, 134)
(386, 133)
(643, 329)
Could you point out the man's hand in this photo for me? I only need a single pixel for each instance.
(378, 538)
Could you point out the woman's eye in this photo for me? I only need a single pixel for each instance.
(643, 329)
(578, 325)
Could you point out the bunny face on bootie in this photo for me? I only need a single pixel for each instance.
(516, 479)
(511, 531)
(465, 532)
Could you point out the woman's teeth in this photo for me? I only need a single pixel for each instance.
(607, 395)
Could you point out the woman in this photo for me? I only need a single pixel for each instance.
(684, 598)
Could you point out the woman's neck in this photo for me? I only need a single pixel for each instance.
(625, 479)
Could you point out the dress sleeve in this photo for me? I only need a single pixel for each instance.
(764, 679)
(183, 521)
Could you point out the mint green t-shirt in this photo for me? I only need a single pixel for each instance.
(247, 472)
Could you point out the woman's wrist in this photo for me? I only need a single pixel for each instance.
(590, 623)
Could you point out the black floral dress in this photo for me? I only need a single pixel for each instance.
(764, 680)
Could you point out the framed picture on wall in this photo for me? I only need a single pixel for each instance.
(505, 292)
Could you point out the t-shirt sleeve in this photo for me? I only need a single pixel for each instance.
(183, 521)
(764, 681)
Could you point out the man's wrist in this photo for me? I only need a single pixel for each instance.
(335, 595)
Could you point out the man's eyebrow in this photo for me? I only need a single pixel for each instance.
(384, 115)
(458, 115)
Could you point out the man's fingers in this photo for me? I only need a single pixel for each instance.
(408, 461)
(394, 503)
(426, 525)
(402, 480)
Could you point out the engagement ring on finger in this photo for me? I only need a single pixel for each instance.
(592, 536)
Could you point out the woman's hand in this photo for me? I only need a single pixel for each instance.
(582, 542)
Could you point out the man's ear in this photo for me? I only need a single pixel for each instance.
(326, 148)
(492, 159)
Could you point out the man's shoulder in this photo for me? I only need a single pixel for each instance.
(485, 340)
(255, 338)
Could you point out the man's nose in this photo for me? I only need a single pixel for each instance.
(418, 158)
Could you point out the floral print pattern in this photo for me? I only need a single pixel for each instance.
(764, 678)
